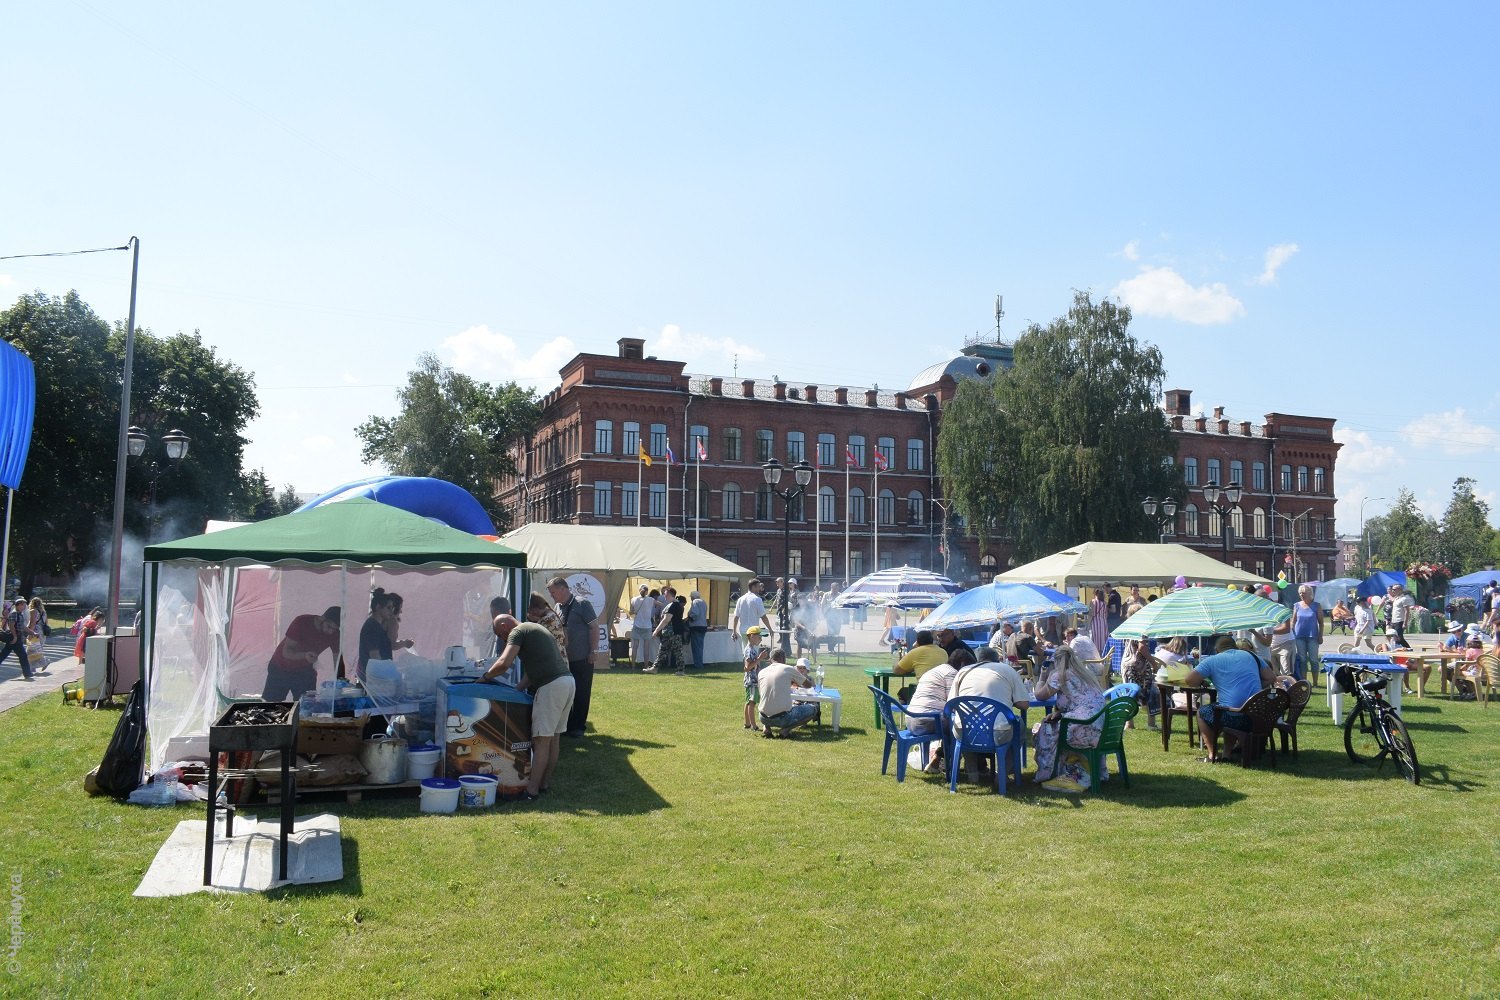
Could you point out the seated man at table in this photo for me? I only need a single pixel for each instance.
(948, 641)
(1237, 676)
(1002, 637)
(989, 678)
(932, 693)
(777, 709)
(922, 657)
(1081, 644)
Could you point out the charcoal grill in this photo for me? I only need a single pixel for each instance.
(256, 726)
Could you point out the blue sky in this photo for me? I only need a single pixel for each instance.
(1297, 200)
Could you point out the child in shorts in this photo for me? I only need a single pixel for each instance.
(754, 654)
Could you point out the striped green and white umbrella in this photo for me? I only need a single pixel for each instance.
(1201, 611)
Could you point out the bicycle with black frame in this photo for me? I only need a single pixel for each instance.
(1374, 729)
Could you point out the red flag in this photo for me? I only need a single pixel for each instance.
(702, 454)
(849, 456)
(880, 462)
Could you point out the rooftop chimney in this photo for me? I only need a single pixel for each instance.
(1200, 424)
(872, 397)
(747, 388)
(841, 396)
(1180, 401)
(780, 388)
(900, 400)
(812, 394)
(1245, 428)
(632, 347)
(716, 386)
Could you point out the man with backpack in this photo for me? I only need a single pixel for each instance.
(13, 634)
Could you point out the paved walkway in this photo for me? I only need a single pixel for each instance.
(61, 666)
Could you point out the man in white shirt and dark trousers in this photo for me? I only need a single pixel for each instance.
(642, 611)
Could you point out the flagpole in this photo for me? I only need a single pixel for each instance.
(667, 511)
(875, 522)
(818, 524)
(639, 464)
(698, 502)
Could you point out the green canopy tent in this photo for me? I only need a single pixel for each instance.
(215, 606)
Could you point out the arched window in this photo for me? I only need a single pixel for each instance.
(731, 503)
(1215, 525)
(827, 506)
(1213, 472)
(915, 502)
(825, 451)
(1237, 523)
(987, 566)
(856, 506)
(796, 447)
(1190, 520)
(1258, 522)
(885, 507)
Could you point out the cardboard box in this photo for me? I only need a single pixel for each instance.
(330, 736)
(485, 729)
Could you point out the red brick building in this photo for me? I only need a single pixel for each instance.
(582, 466)
(1284, 519)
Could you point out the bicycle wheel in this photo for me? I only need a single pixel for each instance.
(1362, 737)
(1399, 741)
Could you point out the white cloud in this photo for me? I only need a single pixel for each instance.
(1360, 454)
(1161, 291)
(484, 352)
(1451, 432)
(700, 351)
(1131, 250)
(1275, 257)
(350, 378)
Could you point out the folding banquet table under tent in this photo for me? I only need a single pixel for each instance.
(215, 606)
(1091, 564)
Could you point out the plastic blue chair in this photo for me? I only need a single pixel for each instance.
(1126, 690)
(976, 717)
(903, 738)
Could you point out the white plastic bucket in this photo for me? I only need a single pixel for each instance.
(440, 795)
(477, 790)
(422, 761)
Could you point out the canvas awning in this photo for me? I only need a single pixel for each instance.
(1094, 563)
(358, 530)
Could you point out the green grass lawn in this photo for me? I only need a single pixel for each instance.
(679, 855)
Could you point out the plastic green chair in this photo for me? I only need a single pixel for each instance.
(1111, 721)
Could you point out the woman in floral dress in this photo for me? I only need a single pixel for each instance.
(1079, 696)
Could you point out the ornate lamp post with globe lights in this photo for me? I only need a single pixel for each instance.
(1168, 515)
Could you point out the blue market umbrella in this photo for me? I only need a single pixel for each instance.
(900, 587)
(998, 602)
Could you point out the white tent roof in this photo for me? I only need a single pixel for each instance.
(1094, 563)
(647, 552)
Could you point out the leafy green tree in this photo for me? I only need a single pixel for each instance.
(62, 509)
(1372, 545)
(180, 383)
(1062, 448)
(1466, 535)
(452, 427)
(66, 489)
(261, 501)
(1409, 535)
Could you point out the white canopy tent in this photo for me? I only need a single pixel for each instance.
(1076, 569)
(614, 555)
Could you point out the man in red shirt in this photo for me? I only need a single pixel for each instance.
(292, 671)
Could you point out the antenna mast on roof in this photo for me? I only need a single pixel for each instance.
(999, 315)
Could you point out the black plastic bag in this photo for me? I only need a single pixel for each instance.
(119, 773)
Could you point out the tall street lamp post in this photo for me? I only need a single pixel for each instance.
(175, 444)
(1168, 515)
(803, 473)
(1231, 496)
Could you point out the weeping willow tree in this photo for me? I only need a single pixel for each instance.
(1061, 448)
